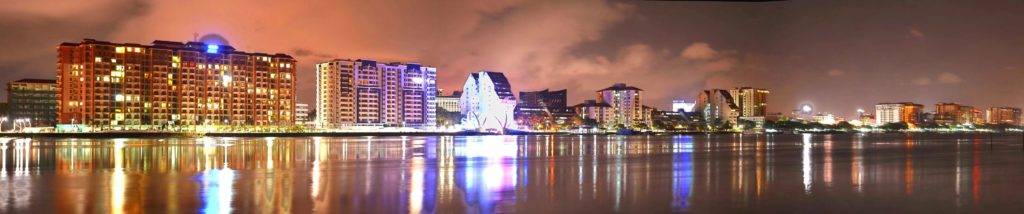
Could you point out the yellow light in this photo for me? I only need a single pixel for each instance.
(119, 49)
(175, 59)
(99, 59)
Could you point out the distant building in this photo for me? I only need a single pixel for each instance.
(948, 114)
(716, 106)
(545, 99)
(826, 118)
(683, 105)
(905, 112)
(626, 103)
(302, 114)
(1003, 115)
(752, 102)
(449, 103)
(542, 109)
(598, 112)
(172, 85)
(487, 103)
(369, 93)
(33, 99)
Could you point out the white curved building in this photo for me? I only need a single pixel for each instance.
(487, 103)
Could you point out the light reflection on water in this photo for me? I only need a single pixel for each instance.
(530, 174)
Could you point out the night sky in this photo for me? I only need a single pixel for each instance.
(837, 57)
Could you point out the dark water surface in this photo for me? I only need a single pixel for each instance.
(886, 173)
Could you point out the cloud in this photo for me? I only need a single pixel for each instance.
(949, 78)
(915, 33)
(536, 43)
(699, 50)
(942, 78)
(835, 72)
(922, 81)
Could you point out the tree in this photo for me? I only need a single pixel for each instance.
(894, 127)
(843, 126)
(746, 124)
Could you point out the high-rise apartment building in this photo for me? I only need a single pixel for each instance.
(369, 93)
(905, 112)
(948, 113)
(34, 100)
(1003, 115)
(626, 103)
(753, 102)
(172, 85)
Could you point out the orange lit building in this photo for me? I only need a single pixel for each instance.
(1003, 115)
(172, 85)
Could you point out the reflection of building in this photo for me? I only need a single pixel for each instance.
(33, 99)
(487, 102)
(1003, 115)
(905, 112)
(752, 102)
(626, 103)
(132, 86)
(368, 93)
(716, 106)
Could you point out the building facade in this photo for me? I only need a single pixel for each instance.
(172, 85)
(302, 114)
(905, 112)
(449, 103)
(596, 112)
(543, 99)
(34, 100)
(681, 105)
(716, 106)
(626, 103)
(487, 102)
(1003, 115)
(752, 102)
(368, 93)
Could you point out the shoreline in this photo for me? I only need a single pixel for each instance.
(97, 135)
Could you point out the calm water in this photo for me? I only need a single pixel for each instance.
(527, 174)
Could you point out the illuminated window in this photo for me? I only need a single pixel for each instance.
(119, 50)
(98, 59)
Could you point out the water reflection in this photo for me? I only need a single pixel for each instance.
(545, 174)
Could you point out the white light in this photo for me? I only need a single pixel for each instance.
(806, 108)
(417, 80)
(226, 79)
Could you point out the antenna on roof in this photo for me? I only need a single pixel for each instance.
(195, 37)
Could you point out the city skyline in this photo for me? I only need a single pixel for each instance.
(893, 52)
